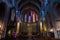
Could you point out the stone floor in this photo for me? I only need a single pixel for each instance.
(29, 38)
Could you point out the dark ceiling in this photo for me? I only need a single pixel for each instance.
(33, 4)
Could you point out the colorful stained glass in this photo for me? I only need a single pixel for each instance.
(29, 20)
(31, 13)
(25, 18)
(36, 17)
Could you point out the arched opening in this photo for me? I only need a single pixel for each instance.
(29, 16)
(50, 27)
(29, 22)
(11, 21)
(2, 15)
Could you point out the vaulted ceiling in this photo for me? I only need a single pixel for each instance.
(30, 4)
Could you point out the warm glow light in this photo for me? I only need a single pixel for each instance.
(44, 26)
(29, 29)
(51, 30)
(41, 26)
(28, 24)
(0, 26)
(9, 32)
(18, 27)
(1, 29)
(33, 17)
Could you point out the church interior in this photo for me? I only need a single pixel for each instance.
(29, 19)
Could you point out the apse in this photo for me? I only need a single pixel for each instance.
(30, 10)
(29, 20)
(29, 14)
